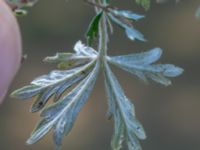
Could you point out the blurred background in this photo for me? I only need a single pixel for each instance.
(170, 115)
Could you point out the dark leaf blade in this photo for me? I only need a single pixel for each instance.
(93, 28)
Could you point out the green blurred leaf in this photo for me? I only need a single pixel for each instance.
(93, 29)
(198, 13)
(20, 12)
(144, 3)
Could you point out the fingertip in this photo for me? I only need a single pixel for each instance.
(2, 96)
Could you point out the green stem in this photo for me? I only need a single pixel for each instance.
(103, 37)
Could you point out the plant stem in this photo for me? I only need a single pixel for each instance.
(103, 38)
(103, 35)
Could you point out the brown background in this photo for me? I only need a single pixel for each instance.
(170, 115)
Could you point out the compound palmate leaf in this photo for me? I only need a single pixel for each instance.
(71, 83)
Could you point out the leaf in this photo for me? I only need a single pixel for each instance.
(42, 128)
(81, 49)
(107, 1)
(22, 3)
(113, 112)
(20, 12)
(46, 87)
(27, 92)
(55, 83)
(119, 129)
(19, 5)
(59, 57)
(168, 70)
(198, 13)
(159, 78)
(111, 100)
(142, 66)
(110, 26)
(118, 136)
(43, 99)
(70, 105)
(58, 89)
(144, 3)
(59, 76)
(63, 87)
(127, 14)
(133, 34)
(82, 56)
(133, 142)
(125, 108)
(130, 31)
(143, 58)
(93, 29)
